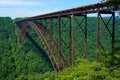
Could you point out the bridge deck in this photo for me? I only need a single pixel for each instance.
(93, 8)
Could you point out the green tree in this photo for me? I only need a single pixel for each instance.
(115, 3)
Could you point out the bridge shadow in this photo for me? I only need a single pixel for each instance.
(42, 52)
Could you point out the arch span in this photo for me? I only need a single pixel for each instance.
(57, 59)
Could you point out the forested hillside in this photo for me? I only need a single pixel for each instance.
(19, 59)
(28, 60)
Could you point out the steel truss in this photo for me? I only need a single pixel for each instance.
(59, 32)
(110, 24)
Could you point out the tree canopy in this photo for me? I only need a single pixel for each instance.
(115, 3)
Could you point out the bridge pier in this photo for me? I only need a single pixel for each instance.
(72, 38)
(82, 27)
(113, 36)
(97, 34)
(59, 37)
(85, 42)
(108, 26)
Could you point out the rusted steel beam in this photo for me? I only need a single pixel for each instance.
(72, 38)
(113, 36)
(85, 42)
(51, 25)
(111, 33)
(45, 43)
(84, 31)
(97, 34)
(79, 24)
(106, 25)
(78, 10)
(59, 37)
(70, 13)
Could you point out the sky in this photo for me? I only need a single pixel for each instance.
(28, 8)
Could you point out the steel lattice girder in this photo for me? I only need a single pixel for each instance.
(76, 11)
(99, 8)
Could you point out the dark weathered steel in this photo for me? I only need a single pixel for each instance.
(56, 67)
(97, 34)
(80, 23)
(46, 27)
(72, 39)
(111, 33)
(51, 25)
(49, 44)
(59, 36)
(78, 10)
(84, 31)
(85, 42)
(113, 36)
(106, 25)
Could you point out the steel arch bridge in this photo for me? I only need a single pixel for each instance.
(57, 34)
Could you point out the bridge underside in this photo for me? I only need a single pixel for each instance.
(68, 32)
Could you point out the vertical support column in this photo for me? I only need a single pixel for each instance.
(72, 38)
(45, 23)
(97, 34)
(85, 42)
(59, 38)
(113, 36)
(42, 21)
(51, 25)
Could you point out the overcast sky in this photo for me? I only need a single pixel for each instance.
(27, 8)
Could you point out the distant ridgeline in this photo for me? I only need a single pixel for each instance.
(18, 60)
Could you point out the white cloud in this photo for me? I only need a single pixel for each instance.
(18, 2)
(14, 13)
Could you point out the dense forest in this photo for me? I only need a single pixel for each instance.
(18, 59)
(28, 60)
